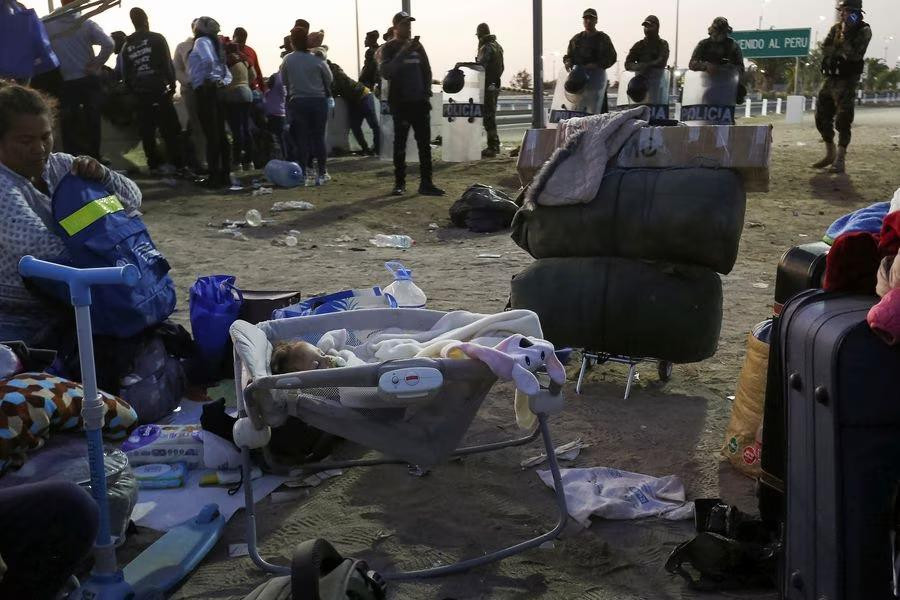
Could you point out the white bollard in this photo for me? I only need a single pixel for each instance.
(778, 106)
(813, 104)
(748, 105)
(765, 107)
(794, 109)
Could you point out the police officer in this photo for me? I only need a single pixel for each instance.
(842, 64)
(490, 56)
(591, 49)
(718, 50)
(405, 65)
(651, 52)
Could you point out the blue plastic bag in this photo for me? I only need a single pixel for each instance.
(215, 303)
(26, 46)
(338, 302)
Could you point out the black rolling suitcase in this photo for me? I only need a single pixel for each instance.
(842, 392)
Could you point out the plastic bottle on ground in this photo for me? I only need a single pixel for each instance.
(284, 173)
(392, 241)
(405, 292)
(253, 218)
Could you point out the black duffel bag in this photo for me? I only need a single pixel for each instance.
(483, 209)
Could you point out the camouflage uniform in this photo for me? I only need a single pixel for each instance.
(490, 56)
(591, 47)
(843, 65)
(725, 52)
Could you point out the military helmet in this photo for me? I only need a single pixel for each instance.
(638, 88)
(851, 4)
(483, 29)
(576, 80)
(454, 81)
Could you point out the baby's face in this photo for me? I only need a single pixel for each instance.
(302, 356)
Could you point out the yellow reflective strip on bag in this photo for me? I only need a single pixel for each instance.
(89, 213)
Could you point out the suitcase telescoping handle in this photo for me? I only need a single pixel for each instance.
(79, 280)
(93, 408)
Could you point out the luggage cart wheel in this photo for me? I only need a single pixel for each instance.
(664, 369)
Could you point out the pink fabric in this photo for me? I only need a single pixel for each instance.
(884, 317)
(516, 358)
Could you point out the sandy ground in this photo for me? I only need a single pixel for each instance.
(469, 507)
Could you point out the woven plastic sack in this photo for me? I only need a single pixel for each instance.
(743, 438)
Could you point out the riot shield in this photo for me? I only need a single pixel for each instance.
(387, 130)
(710, 98)
(589, 101)
(463, 117)
(656, 96)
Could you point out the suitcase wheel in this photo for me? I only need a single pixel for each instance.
(664, 370)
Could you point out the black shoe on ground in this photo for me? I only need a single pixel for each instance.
(489, 153)
(429, 189)
(399, 190)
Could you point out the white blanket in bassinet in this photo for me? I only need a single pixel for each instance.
(458, 326)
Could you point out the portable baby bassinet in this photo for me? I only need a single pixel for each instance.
(414, 411)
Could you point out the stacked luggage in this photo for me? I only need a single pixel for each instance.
(634, 272)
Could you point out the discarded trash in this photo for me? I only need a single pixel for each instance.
(392, 241)
(485, 255)
(235, 234)
(754, 224)
(292, 205)
(804, 235)
(433, 226)
(569, 451)
(344, 239)
(288, 240)
(253, 218)
(263, 191)
(760, 285)
(236, 550)
(801, 143)
(548, 545)
(417, 471)
(295, 233)
(729, 398)
(284, 173)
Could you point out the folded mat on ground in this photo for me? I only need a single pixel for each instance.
(691, 216)
(621, 306)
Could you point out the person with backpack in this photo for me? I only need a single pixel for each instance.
(490, 56)
(30, 173)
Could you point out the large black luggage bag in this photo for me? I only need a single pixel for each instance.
(629, 307)
(690, 216)
(842, 392)
(801, 268)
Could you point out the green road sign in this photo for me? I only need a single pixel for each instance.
(774, 43)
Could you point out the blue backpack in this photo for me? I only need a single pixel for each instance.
(98, 233)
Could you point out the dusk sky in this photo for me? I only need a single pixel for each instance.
(447, 29)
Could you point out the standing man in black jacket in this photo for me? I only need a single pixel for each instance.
(591, 49)
(405, 65)
(490, 56)
(368, 76)
(148, 71)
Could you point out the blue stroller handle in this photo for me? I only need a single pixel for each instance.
(79, 280)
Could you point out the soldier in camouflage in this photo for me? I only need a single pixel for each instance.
(490, 56)
(842, 64)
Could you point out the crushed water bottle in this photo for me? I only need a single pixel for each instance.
(284, 173)
(405, 292)
(253, 218)
(392, 241)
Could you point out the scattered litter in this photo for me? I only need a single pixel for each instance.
(292, 205)
(344, 239)
(313, 480)
(569, 451)
(169, 181)
(235, 188)
(417, 471)
(729, 398)
(354, 249)
(288, 240)
(433, 226)
(236, 550)
(261, 191)
(803, 235)
(253, 218)
(754, 224)
(486, 255)
(760, 285)
(295, 233)
(548, 545)
(235, 234)
(392, 241)
(801, 143)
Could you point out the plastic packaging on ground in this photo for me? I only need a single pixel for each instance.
(292, 205)
(284, 173)
(405, 292)
(392, 241)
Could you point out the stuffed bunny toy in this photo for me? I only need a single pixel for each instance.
(516, 359)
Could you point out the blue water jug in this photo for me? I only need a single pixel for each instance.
(284, 173)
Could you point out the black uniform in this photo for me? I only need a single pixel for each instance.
(591, 47)
(490, 56)
(148, 71)
(843, 55)
(651, 52)
(722, 52)
(368, 76)
(409, 75)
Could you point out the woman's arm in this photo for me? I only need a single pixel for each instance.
(22, 231)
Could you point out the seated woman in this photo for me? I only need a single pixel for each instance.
(29, 173)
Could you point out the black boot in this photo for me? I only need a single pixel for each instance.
(399, 188)
(427, 188)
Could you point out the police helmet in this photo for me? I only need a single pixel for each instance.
(576, 80)
(454, 81)
(638, 88)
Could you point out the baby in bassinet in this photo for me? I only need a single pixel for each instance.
(292, 357)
